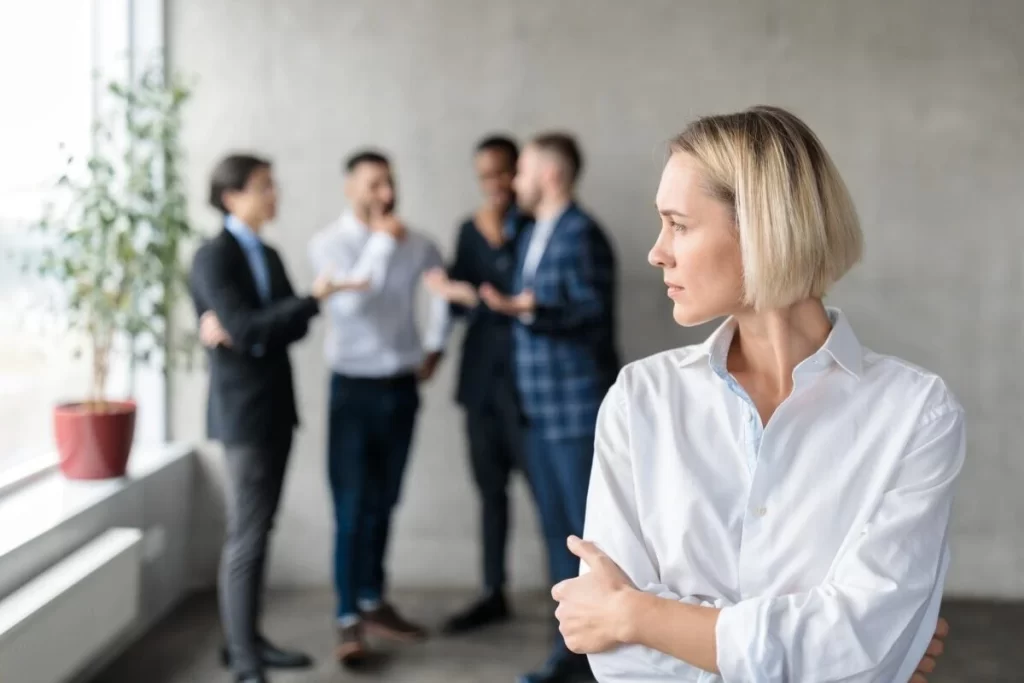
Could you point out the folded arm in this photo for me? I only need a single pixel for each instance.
(863, 624)
(613, 525)
(872, 620)
(252, 329)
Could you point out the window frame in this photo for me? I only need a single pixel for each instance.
(125, 35)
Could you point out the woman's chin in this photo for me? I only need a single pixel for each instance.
(689, 316)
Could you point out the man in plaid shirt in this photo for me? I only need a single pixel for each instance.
(565, 353)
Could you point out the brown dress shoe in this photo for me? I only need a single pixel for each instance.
(351, 649)
(385, 622)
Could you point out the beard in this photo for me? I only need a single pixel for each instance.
(528, 201)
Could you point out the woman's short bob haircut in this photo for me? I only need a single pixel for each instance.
(798, 229)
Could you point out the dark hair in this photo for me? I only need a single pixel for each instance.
(366, 156)
(232, 173)
(564, 146)
(500, 143)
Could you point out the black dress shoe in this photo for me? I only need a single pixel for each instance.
(252, 678)
(490, 609)
(570, 669)
(273, 657)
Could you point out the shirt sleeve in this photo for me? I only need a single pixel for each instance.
(370, 264)
(439, 318)
(612, 523)
(863, 624)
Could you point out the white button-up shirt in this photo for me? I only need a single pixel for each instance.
(539, 238)
(822, 535)
(373, 333)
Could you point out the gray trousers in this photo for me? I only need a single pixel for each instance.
(255, 476)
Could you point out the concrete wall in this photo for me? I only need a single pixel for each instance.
(921, 103)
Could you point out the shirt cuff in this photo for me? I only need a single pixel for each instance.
(380, 241)
(743, 654)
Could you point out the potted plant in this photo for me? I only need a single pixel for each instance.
(112, 238)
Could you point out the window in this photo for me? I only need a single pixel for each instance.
(45, 75)
(49, 52)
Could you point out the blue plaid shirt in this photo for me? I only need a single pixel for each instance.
(566, 354)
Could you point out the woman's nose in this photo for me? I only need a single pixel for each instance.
(660, 255)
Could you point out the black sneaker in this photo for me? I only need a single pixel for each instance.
(491, 609)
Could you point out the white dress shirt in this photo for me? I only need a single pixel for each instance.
(373, 333)
(539, 238)
(821, 535)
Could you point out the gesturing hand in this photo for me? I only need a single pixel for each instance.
(590, 606)
(519, 304)
(437, 282)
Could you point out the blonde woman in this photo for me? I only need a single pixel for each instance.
(772, 504)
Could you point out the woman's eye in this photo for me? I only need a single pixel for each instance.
(678, 227)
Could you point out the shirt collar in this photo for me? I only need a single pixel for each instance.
(242, 232)
(841, 347)
(550, 223)
(349, 223)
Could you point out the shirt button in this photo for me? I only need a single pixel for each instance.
(761, 511)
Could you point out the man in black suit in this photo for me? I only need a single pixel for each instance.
(249, 315)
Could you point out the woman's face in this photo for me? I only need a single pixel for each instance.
(698, 248)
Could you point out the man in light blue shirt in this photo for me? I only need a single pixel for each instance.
(377, 359)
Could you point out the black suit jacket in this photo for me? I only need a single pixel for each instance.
(251, 399)
(487, 347)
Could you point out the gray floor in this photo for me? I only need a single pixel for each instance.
(984, 645)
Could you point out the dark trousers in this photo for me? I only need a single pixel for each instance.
(255, 477)
(495, 431)
(559, 472)
(370, 431)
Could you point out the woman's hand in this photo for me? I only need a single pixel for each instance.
(592, 609)
(935, 649)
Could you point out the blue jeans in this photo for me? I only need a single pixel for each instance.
(559, 473)
(370, 431)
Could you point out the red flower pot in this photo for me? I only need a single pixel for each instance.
(94, 440)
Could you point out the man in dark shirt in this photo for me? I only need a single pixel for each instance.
(486, 382)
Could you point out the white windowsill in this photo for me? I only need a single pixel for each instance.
(35, 508)
(14, 478)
